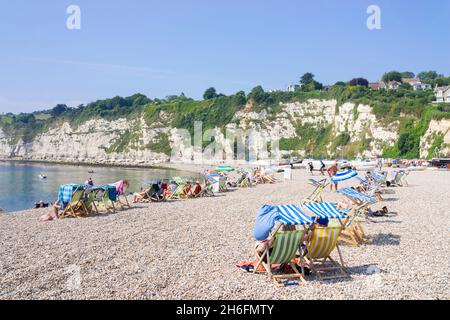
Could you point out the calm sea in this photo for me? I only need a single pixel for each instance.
(21, 185)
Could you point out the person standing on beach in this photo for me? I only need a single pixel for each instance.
(311, 168)
(322, 167)
(332, 172)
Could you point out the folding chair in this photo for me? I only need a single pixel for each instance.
(283, 246)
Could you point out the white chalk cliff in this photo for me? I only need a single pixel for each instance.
(92, 141)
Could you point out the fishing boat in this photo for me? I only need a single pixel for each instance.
(42, 177)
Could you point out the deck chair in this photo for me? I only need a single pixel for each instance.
(89, 202)
(104, 198)
(400, 178)
(207, 191)
(153, 191)
(318, 252)
(75, 207)
(378, 177)
(316, 195)
(286, 245)
(178, 192)
(359, 199)
(122, 189)
(352, 231)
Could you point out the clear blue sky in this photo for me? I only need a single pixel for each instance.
(167, 47)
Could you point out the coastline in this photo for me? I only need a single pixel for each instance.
(84, 164)
(187, 249)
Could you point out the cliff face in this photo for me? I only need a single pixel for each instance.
(133, 141)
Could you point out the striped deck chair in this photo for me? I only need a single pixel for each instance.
(379, 178)
(122, 188)
(285, 246)
(352, 231)
(75, 207)
(176, 194)
(400, 178)
(361, 200)
(357, 197)
(319, 249)
(105, 197)
(207, 191)
(343, 175)
(316, 195)
(89, 202)
(371, 189)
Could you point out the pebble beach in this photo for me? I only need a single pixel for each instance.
(188, 249)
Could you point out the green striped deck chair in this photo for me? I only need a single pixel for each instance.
(102, 200)
(76, 205)
(177, 194)
(319, 249)
(90, 201)
(286, 245)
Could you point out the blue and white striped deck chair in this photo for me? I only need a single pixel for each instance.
(379, 178)
(357, 197)
(343, 175)
(352, 232)
(327, 210)
(368, 184)
(316, 195)
(284, 245)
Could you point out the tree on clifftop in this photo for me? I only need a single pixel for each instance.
(58, 110)
(210, 93)
(359, 82)
(392, 76)
(308, 83)
(258, 95)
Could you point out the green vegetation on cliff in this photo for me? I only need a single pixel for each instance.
(413, 110)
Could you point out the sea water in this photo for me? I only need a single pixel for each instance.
(21, 183)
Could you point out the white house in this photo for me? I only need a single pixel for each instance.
(292, 87)
(417, 84)
(442, 94)
(391, 85)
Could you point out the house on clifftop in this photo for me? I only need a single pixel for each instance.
(442, 94)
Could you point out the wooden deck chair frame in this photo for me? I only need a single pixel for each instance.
(207, 191)
(318, 264)
(317, 194)
(75, 206)
(288, 260)
(90, 201)
(352, 232)
(104, 200)
(125, 196)
(150, 194)
(176, 193)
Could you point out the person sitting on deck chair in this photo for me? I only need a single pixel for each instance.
(197, 189)
(141, 196)
(187, 189)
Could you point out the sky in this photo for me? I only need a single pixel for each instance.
(161, 48)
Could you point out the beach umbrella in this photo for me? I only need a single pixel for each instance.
(224, 169)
